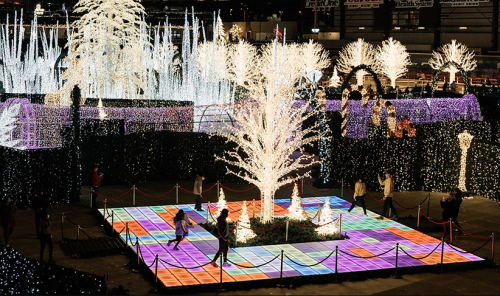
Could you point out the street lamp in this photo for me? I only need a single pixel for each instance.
(315, 31)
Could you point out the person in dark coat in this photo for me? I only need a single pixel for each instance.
(38, 205)
(8, 214)
(449, 207)
(458, 198)
(223, 236)
(96, 182)
(45, 236)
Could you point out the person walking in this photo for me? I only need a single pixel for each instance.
(181, 228)
(37, 205)
(223, 236)
(45, 236)
(198, 190)
(96, 182)
(449, 207)
(359, 195)
(388, 184)
(9, 211)
(458, 202)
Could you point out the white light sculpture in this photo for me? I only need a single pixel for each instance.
(354, 54)
(453, 52)
(8, 118)
(295, 211)
(465, 139)
(100, 108)
(392, 59)
(327, 226)
(335, 79)
(244, 232)
(221, 203)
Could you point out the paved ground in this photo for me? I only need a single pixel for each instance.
(478, 215)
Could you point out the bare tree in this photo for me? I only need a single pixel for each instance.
(354, 54)
(392, 59)
(453, 52)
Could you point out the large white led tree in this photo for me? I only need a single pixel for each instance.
(268, 128)
(106, 48)
(313, 57)
(355, 54)
(241, 62)
(392, 59)
(453, 52)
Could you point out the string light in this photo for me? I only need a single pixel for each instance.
(221, 203)
(244, 232)
(236, 33)
(453, 52)
(354, 54)
(392, 59)
(327, 226)
(465, 139)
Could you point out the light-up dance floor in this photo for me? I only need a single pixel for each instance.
(367, 237)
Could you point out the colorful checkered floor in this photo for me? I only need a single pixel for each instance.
(367, 237)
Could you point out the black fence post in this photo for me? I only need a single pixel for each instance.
(396, 275)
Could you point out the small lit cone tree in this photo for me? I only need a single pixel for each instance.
(268, 128)
(453, 52)
(295, 211)
(335, 80)
(106, 48)
(392, 59)
(327, 226)
(354, 54)
(221, 203)
(244, 232)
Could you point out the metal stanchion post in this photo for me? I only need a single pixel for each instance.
(177, 193)
(418, 217)
(451, 230)
(62, 227)
(126, 234)
(281, 271)
(396, 275)
(91, 192)
(442, 253)
(342, 189)
(221, 289)
(208, 210)
(105, 207)
(429, 205)
(253, 206)
(218, 190)
(340, 225)
(336, 264)
(112, 221)
(236, 236)
(156, 271)
(286, 234)
(133, 195)
(493, 248)
(138, 255)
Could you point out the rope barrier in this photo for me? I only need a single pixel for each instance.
(116, 197)
(130, 239)
(234, 190)
(255, 266)
(85, 233)
(149, 195)
(374, 198)
(303, 265)
(193, 267)
(413, 207)
(185, 190)
(437, 223)
(374, 256)
(465, 252)
(285, 187)
(121, 230)
(321, 190)
(203, 191)
(69, 220)
(142, 257)
(317, 212)
(479, 237)
(425, 255)
(316, 226)
(264, 229)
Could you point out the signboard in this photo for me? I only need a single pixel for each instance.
(462, 2)
(414, 3)
(355, 4)
(363, 5)
(322, 4)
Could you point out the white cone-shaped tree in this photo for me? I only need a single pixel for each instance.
(295, 211)
(335, 80)
(327, 226)
(221, 203)
(354, 54)
(455, 52)
(268, 128)
(244, 232)
(392, 59)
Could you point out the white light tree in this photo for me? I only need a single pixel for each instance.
(106, 49)
(313, 57)
(221, 203)
(453, 52)
(241, 62)
(392, 59)
(268, 128)
(355, 54)
(8, 117)
(295, 211)
(335, 79)
(244, 232)
(327, 226)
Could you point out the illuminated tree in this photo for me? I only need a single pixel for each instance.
(244, 232)
(327, 226)
(354, 54)
(313, 57)
(453, 52)
(106, 48)
(268, 128)
(221, 203)
(392, 59)
(241, 62)
(335, 79)
(295, 211)
(235, 33)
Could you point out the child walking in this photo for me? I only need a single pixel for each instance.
(181, 228)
